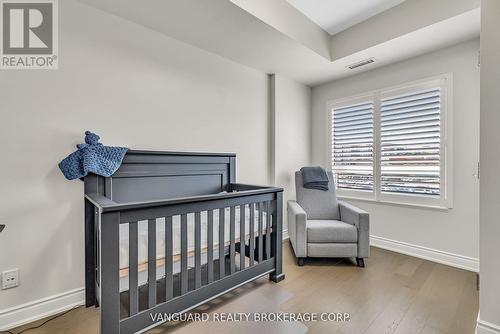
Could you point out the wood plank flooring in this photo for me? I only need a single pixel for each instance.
(394, 294)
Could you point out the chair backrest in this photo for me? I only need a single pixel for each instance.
(318, 204)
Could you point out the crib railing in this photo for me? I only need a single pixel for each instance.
(256, 251)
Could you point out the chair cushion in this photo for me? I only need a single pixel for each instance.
(331, 231)
(318, 204)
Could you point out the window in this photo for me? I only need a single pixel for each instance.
(410, 143)
(393, 145)
(352, 146)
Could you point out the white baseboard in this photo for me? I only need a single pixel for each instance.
(285, 235)
(39, 309)
(450, 259)
(484, 327)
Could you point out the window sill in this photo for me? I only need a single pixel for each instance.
(396, 203)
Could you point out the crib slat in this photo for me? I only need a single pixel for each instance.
(132, 269)
(251, 243)
(268, 230)
(197, 250)
(151, 263)
(260, 223)
(210, 246)
(232, 233)
(242, 237)
(222, 264)
(184, 254)
(109, 245)
(169, 270)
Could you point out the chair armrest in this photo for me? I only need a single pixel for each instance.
(297, 231)
(361, 219)
(352, 214)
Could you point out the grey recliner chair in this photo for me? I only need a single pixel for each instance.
(319, 225)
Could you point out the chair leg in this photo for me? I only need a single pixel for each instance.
(300, 261)
(360, 262)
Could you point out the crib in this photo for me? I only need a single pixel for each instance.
(169, 231)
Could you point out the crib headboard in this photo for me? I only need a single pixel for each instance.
(156, 175)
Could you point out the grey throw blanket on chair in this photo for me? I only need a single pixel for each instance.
(314, 178)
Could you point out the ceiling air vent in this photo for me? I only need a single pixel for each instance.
(361, 63)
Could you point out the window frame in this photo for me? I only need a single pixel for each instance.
(445, 200)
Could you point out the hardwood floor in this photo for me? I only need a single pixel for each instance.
(394, 294)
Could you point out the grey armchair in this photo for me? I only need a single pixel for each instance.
(319, 225)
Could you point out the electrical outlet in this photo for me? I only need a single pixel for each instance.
(10, 279)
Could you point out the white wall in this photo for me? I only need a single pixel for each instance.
(489, 321)
(292, 133)
(455, 231)
(134, 87)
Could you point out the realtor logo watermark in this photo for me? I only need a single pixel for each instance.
(29, 34)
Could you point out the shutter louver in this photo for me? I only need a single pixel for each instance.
(410, 142)
(352, 146)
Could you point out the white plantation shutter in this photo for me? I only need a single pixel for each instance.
(352, 146)
(395, 145)
(410, 141)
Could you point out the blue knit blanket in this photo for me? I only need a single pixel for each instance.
(92, 157)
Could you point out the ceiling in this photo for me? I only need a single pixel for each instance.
(337, 15)
(277, 41)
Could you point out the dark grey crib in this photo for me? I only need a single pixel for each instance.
(151, 185)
